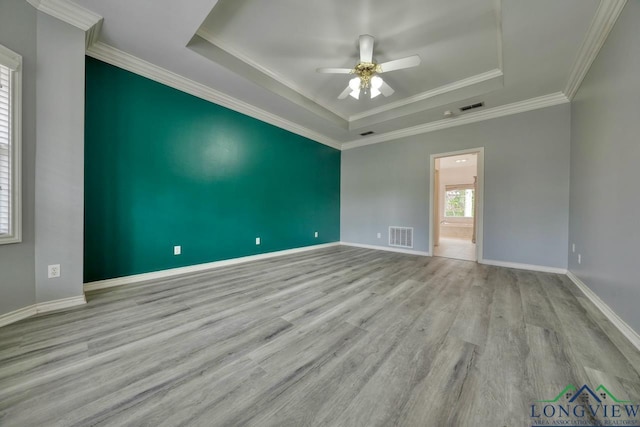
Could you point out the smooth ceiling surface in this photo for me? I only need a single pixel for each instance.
(454, 39)
(273, 48)
(459, 161)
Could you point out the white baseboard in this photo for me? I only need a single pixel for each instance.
(622, 326)
(17, 315)
(43, 307)
(519, 266)
(60, 304)
(154, 275)
(386, 248)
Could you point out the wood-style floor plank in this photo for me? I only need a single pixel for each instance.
(335, 337)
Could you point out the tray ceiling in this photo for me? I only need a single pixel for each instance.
(264, 54)
(289, 46)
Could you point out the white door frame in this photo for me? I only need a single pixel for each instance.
(479, 197)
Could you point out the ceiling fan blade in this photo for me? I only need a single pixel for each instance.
(334, 70)
(366, 48)
(399, 64)
(345, 93)
(386, 89)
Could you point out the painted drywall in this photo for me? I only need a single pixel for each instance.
(18, 33)
(605, 151)
(526, 189)
(164, 168)
(59, 158)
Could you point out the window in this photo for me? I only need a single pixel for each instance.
(10, 127)
(458, 201)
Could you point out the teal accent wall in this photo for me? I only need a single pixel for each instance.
(164, 168)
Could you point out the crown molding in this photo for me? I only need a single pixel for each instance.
(491, 113)
(72, 14)
(204, 34)
(68, 12)
(603, 21)
(350, 120)
(113, 56)
(92, 34)
(460, 84)
(454, 86)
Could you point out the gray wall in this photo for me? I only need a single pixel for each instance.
(18, 33)
(55, 188)
(526, 186)
(59, 158)
(605, 154)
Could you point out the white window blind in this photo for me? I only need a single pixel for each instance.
(10, 146)
(5, 151)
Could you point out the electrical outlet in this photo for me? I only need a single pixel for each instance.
(379, 235)
(573, 248)
(579, 259)
(177, 250)
(257, 240)
(53, 271)
(315, 234)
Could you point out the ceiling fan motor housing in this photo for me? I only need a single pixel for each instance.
(366, 70)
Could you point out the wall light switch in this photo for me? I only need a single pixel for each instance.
(315, 234)
(379, 235)
(53, 271)
(177, 250)
(257, 240)
(573, 247)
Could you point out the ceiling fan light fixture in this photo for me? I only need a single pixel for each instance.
(367, 80)
(355, 84)
(376, 83)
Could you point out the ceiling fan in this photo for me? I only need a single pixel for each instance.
(368, 80)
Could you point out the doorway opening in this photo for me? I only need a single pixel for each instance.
(456, 205)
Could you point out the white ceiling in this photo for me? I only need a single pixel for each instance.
(459, 161)
(266, 53)
(452, 45)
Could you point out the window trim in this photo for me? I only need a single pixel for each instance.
(453, 187)
(13, 61)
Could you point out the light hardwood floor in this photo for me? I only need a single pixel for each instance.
(337, 336)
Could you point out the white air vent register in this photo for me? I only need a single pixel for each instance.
(401, 237)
